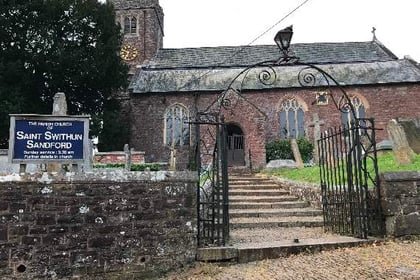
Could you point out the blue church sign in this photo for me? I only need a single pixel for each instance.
(48, 138)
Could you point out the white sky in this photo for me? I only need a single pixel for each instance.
(201, 23)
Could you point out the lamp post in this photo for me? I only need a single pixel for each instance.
(308, 74)
(283, 39)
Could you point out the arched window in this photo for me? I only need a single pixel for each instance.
(130, 25)
(126, 25)
(359, 108)
(133, 25)
(291, 119)
(177, 128)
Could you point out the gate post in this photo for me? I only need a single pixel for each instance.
(225, 179)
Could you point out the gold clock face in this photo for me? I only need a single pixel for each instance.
(128, 53)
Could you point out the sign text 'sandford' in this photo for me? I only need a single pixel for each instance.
(49, 139)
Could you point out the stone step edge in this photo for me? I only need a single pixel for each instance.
(262, 251)
(262, 198)
(268, 205)
(275, 224)
(233, 215)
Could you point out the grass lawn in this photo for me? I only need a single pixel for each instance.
(386, 162)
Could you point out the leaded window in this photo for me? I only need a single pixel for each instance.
(130, 25)
(133, 25)
(359, 109)
(291, 119)
(177, 128)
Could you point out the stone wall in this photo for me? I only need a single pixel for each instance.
(400, 193)
(125, 225)
(304, 191)
(8, 168)
(400, 200)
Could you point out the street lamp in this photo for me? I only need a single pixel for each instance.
(283, 39)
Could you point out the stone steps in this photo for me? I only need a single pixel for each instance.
(256, 192)
(250, 181)
(267, 222)
(258, 203)
(254, 186)
(273, 212)
(268, 205)
(263, 222)
(261, 198)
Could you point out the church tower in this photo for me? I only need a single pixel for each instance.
(141, 23)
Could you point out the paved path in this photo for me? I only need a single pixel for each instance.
(392, 260)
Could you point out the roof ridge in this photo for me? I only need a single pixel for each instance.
(243, 56)
(385, 49)
(269, 45)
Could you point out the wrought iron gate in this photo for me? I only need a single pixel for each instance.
(349, 180)
(212, 191)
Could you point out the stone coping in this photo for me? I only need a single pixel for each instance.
(119, 153)
(401, 176)
(118, 175)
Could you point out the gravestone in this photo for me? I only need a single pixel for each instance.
(59, 109)
(172, 159)
(281, 163)
(127, 152)
(402, 151)
(412, 132)
(59, 104)
(316, 124)
(296, 153)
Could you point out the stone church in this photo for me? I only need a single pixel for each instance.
(169, 86)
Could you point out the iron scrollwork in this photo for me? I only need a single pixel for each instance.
(313, 76)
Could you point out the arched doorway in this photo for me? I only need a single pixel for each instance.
(236, 145)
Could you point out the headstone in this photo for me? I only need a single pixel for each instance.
(384, 146)
(403, 153)
(281, 163)
(59, 109)
(316, 124)
(172, 160)
(296, 153)
(127, 153)
(412, 132)
(60, 104)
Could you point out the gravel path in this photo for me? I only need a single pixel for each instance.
(391, 260)
(238, 236)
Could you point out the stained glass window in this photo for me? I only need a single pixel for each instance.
(130, 25)
(291, 119)
(359, 109)
(177, 128)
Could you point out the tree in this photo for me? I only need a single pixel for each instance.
(50, 46)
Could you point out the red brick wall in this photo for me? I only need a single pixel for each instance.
(118, 157)
(382, 103)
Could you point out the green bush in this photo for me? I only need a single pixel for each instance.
(281, 149)
(142, 167)
(134, 167)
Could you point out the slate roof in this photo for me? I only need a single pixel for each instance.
(212, 68)
(134, 4)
